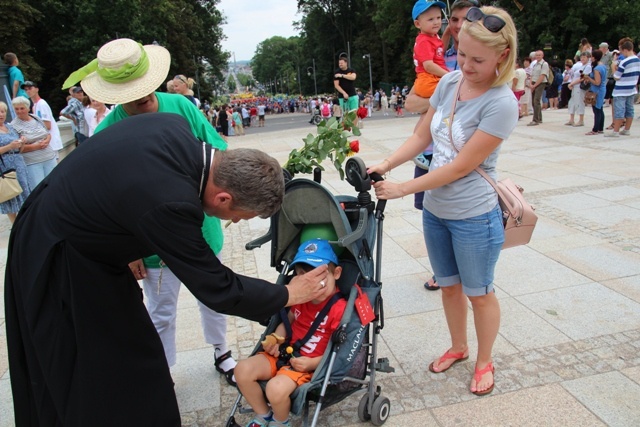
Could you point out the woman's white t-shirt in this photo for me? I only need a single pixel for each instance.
(494, 112)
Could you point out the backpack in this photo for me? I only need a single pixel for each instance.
(326, 110)
(557, 76)
(550, 75)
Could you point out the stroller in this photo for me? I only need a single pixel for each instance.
(350, 361)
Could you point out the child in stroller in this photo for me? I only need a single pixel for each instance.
(286, 372)
(353, 227)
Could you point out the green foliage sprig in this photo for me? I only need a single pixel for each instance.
(330, 142)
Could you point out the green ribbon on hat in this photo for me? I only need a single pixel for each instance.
(123, 74)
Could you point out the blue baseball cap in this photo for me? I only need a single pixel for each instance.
(422, 6)
(315, 252)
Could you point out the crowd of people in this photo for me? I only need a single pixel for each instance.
(594, 77)
(167, 179)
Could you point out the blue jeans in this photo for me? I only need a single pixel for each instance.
(623, 107)
(36, 172)
(598, 119)
(464, 251)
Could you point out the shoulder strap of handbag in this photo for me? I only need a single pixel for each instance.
(505, 200)
(37, 119)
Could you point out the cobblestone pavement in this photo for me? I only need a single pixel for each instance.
(568, 349)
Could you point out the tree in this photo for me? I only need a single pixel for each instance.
(74, 30)
(20, 15)
(384, 29)
(381, 28)
(277, 58)
(562, 24)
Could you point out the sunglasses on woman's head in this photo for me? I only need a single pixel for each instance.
(492, 23)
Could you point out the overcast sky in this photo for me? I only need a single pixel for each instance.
(250, 22)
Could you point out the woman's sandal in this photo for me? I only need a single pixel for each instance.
(591, 133)
(459, 357)
(477, 376)
(228, 375)
(431, 284)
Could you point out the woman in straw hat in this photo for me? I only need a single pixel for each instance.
(127, 73)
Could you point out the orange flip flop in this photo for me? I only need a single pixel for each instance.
(478, 376)
(459, 357)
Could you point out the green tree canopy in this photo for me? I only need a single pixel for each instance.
(384, 29)
(70, 32)
(277, 59)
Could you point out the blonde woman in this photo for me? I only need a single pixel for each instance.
(384, 101)
(182, 85)
(460, 205)
(237, 122)
(576, 103)
(10, 145)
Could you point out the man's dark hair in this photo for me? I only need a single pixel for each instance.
(253, 178)
(461, 4)
(626, 45)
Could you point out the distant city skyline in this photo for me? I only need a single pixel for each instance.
(250, 22)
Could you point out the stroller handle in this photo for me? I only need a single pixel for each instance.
(375, 177)
(357, 175)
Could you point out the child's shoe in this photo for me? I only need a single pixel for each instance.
(275, 423)
(258, 421)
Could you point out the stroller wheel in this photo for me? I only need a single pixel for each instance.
(231, 422)
(355, 167)
(317, 120)
(380, 410)
(363, 413)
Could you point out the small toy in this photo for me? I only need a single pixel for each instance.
(272, 339)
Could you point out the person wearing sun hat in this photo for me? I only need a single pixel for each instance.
(128, 73)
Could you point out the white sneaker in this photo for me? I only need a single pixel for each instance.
(625, 132)
(611, 134)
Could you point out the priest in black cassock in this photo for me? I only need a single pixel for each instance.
(82, 349)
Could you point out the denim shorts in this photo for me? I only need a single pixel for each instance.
(623, 107)
(464, 251)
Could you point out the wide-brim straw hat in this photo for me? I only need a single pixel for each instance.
(114, 55)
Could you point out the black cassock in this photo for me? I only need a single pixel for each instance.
(82, 348)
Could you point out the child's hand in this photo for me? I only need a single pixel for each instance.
(303, 364)
(272, 349)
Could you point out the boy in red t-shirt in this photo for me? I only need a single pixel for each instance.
(428, 51)
(299, 369)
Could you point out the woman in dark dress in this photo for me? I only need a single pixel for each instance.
(223, 120)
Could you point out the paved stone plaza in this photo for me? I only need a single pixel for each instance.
(568, 349)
